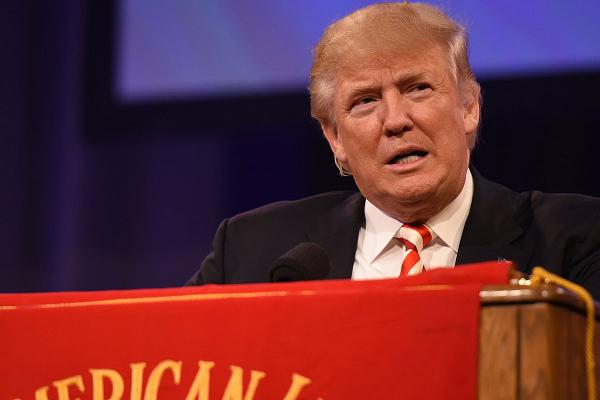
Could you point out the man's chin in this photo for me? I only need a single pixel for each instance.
(415, 188)
(401, 198)
(408, 202)
(410, 198)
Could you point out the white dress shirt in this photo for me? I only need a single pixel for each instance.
(378, 256)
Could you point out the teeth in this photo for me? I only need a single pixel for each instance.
(408, 159)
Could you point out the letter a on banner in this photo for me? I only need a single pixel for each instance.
(234, 388)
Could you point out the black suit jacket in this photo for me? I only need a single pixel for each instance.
(560, 232)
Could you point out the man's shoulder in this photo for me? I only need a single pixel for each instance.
(535, 199)
(558, 208)
(570, 206)
(300, 209)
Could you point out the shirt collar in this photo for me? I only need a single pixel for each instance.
(380, 228)
(448, 225)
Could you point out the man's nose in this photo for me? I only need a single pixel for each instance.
(396, 114)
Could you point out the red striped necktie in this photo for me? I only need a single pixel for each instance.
(414, 238)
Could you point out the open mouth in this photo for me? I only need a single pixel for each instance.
(407, 158)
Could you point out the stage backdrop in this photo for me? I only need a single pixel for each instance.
(92, 204)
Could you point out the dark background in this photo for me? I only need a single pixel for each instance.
(101, 196)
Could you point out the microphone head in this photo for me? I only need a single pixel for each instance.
(304, 262)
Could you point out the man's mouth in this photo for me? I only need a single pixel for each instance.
(407, 158)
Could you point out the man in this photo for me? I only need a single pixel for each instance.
(399, 105)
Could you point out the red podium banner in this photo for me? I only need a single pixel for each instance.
(413, 338)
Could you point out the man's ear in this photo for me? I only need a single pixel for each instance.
(471, 111)
(335, 142)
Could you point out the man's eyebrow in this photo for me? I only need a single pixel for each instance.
(362, 88)
(409, 77)
(365, 87)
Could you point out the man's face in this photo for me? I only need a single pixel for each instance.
(402, 127)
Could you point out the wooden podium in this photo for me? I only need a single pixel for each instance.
(532, 344)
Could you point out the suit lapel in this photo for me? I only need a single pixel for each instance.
(495, 225)
(337, 231)
(516, 253)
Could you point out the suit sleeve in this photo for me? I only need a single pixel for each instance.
(212, 269)
(587, 269)
(591, 276)
(586, 264)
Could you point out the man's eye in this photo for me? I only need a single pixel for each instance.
(421, 87)
(365, 100)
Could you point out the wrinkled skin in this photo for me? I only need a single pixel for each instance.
(402, 128)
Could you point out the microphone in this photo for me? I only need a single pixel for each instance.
(304, 262)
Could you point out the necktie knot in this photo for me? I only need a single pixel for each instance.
(414, 238)
(418, 235)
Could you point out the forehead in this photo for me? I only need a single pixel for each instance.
(377, 67)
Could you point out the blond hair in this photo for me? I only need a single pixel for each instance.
(390, 29)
